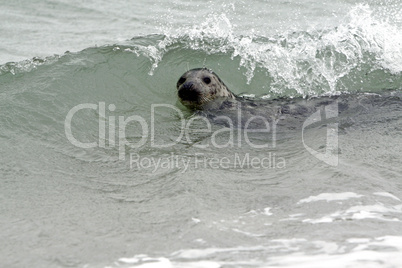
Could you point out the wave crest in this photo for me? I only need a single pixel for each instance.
(313, 62)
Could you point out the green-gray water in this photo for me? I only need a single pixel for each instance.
(102, 167)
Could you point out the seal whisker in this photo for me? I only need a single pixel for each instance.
(204, 99)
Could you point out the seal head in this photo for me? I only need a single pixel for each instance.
(199, 87)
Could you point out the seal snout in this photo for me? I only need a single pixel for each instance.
(188, 85)
(188, 92)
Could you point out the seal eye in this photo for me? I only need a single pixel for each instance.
(206, 80)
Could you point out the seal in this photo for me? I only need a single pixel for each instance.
(203, 91)
(197, 88)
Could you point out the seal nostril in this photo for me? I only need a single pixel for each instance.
(187, 85)
(187, 94)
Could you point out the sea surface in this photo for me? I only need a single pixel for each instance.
(101, 166)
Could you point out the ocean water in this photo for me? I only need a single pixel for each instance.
(101, 166)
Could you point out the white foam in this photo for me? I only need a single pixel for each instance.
(267, 211)
(252, 213)
(293, 217)
(377, 211)
(386, 194)
(328, 247)
(388, 241)
(384, 251)
(325, 219)
(202, 253)
(358, 240)
(195, 220)
(199, 264)
(330, 197)
(373, 212)
(144, 261)
(365, 259)
(334, 256)
(247, 233)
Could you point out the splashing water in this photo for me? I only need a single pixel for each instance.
(313, 62)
